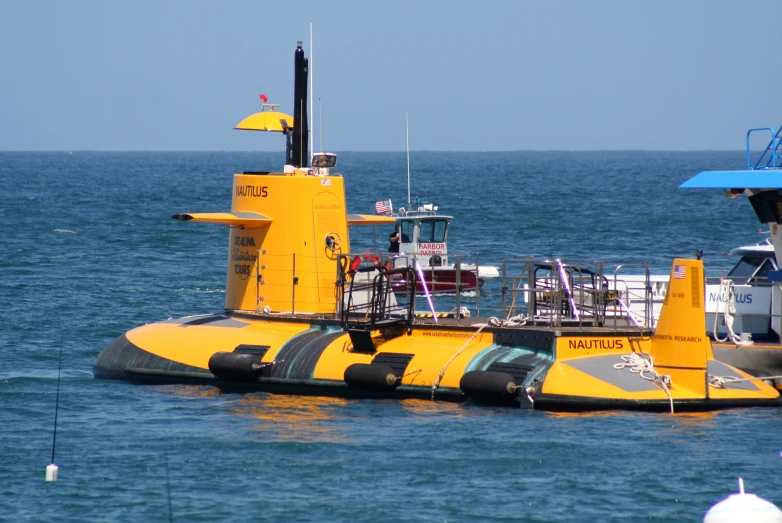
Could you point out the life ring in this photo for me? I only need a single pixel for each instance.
(358, 260)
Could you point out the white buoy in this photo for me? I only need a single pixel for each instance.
(741, 507)
(51, 472)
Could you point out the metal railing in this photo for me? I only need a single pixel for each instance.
(371, 293)
(772, 150)
(570, 293)
(374, 287)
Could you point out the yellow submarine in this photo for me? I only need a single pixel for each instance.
(302, 317)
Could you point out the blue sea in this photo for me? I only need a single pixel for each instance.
(89, 251)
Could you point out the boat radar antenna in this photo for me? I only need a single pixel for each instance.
(320, 123)
(311, 126)
(296, 147)
(407, 135)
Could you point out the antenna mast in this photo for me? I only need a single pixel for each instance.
(320, 123)
(407, 133)
(311, 126)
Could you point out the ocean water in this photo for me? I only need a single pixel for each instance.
(89, 251)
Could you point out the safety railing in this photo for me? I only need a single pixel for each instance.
(372, 293)
(568, 293)
(636, 295)
(770, 158)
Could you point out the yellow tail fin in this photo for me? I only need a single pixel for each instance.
(680, 346)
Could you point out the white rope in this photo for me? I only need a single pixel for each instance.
(720, 381)
(259, 366)
(513, 321)
(637, 364)
(442, 372)
(463, 311)
(267, 311)
(400, 378)
(727, 295)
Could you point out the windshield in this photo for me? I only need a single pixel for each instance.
(746, 267)
(433, 231)
(324, 160)
(406, 228)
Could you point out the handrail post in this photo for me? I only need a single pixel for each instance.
(293, 286)
(458, 267)
(504, 288)
(649, 313)
(259, 280)
(340, 284)
(478, 287)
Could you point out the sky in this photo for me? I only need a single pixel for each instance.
(483, 75)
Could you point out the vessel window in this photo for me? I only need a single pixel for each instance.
(324, 160)
(406, 229)
(762, 273)
(746, 267)
(433, 231)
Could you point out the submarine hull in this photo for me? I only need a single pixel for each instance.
(288, 356)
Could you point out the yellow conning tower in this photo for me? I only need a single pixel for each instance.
(289, 262)
(287, 228)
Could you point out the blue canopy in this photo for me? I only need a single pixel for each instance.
(758, 179)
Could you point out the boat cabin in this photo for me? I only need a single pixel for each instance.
(748, 304)
(754, 265)
(423, 235)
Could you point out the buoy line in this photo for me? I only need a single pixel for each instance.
(442, 372)
(403, 376)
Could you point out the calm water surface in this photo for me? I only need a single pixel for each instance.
(89, 251)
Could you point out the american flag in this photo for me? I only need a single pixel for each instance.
(679, 271)
(383, 207)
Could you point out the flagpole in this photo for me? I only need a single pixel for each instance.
(407, 133)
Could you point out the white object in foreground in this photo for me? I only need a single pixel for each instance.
(743, 507)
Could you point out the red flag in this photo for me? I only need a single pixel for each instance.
(264, 99)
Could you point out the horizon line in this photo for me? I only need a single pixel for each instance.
(448, 151)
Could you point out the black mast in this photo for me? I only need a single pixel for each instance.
(296, 150)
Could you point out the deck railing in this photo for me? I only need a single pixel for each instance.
(555, 293)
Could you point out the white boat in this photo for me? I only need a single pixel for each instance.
(750, 297)
(423, 243)
(740, 299)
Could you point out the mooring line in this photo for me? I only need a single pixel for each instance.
(442, 372)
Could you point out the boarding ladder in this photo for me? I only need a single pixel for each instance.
(367, 302)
